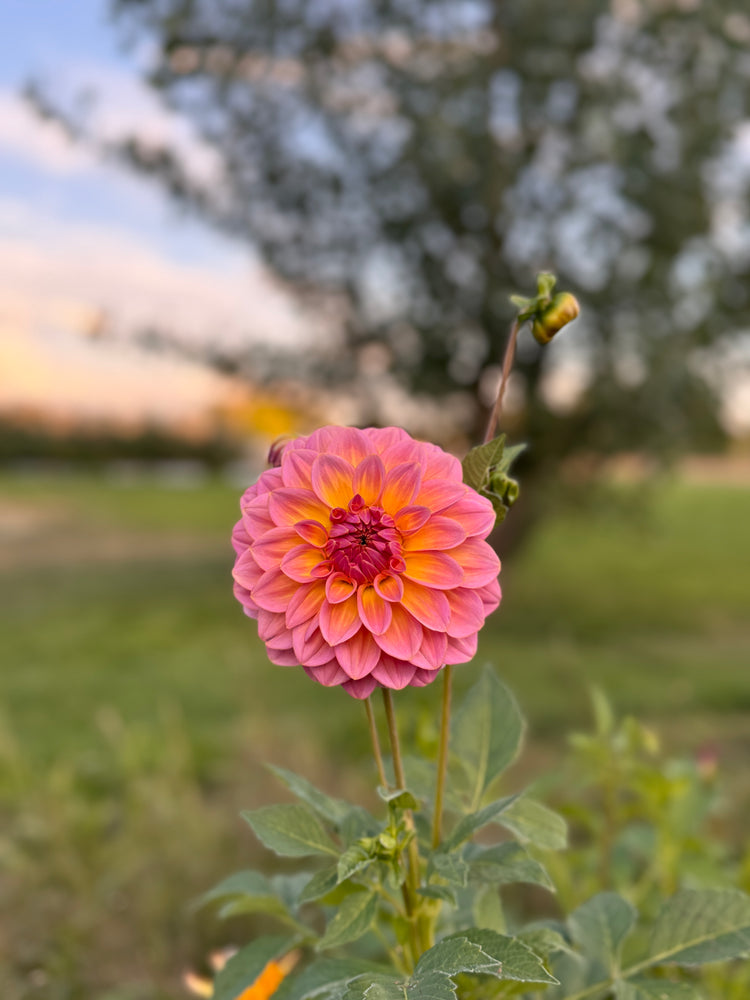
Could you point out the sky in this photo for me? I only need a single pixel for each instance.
(84, 242)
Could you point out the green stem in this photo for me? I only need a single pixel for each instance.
(375, 743)
(497, 409)
(442, 767)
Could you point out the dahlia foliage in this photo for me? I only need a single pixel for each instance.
(362, 555)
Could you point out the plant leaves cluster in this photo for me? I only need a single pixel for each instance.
(486, 468)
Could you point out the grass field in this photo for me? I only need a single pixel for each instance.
(137, 702)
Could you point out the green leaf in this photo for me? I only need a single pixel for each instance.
(654, 989)
(333, 810)
(354, 859)
(468, 825)
(486, 733)
(438, 892)
(244, 968)
(544, 940)
(244, 883)
(478, 462)
(697, 926)
(358, 823)
(457, 954)
(518, 961)
(352, 919)
(533, 823)
(401, 798)
(429, 986)
(320, 885)
(600, 926)
(290, 830)
(450, 867)
(324, 976)
(487, 909)
(505, 864)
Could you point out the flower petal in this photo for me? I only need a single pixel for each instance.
(329, 675)
(467, 612)
(461, 650)
(240, 538)
(400, 487)
(282, 657)
(389, 587)
(312, 532)
(373, 610)
(360, 689)
(422, 678)
(300, 563)
(296, 467)
(430, 607)
(431, 654)
(410, 519)
(332, 480)
(384, 437)
(438, 464)
(392, 673)
(369, 477)
(271, 624)
(287, 506)
(305, 603)
(474, 513)
(256, 518)
(339, 622)
(339, 587)
(437, 494)
(478, 560)
(350, 443)
(246, 570)
(274, 590)
(438, 533)
(491, 596)
(311, 649)
(358, 655)
(404, 635)
(272, 546)
(433, 569)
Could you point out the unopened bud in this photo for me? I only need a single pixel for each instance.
(277, 450)
(562, 309)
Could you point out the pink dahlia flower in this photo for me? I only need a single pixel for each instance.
(362, 556)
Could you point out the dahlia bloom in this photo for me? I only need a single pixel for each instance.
(362, 557)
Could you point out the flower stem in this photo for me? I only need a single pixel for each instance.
(497, 409)
(375, 743)
(442, 769)
(411, 884)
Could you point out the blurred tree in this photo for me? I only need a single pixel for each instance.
(417, 161)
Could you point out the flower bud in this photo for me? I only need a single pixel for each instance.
(277, 450)
(562, 310)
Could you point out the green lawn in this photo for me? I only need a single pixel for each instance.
(137, 702)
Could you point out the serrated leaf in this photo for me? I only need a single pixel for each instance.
(486, 733)
(510, 454)
(518, 961)
(697, 926)
(352, 919)
(243, 969)
(505, 864)
(478, 462)
(468, 825)
(429, 986)
(333, 810)
(487, 909)
(358, 823)
(292, 831)
(324, 977)
(457, 954)
(545, 940)
(654, 989)
(533, 823)
(450, 867)
(354, 859)
(320, 884)
(600, 926)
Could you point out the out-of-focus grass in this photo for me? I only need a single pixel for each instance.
(138, 702)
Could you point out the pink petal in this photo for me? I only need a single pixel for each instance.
(369, 477)
(246, 570)
(490, 595)
(439, 464)
(431, 654)
(358, 655)
(430, 607)
(467, 612)
(269, 480)
(256, 518)
(273, 545)
(329, 675)
(240, 538)
(461, 650)
(433, 569)
(271, 624)
(312, 532)
(282, 657)
(373, 610)
(339, 587)
(350, 443)
(339, 622)
(438, 533)
(390, 588)
(437, 494)
(400, 487)
(404, 635)
(274, 591)
(479, 562)
(410, 519)
(474, 513)
(360, 689)
(332, 480)
(296, 467)
(384, 437)
(392, 673)
(311, 650)
(305, 603)
(249, 606)
(301, 562)
(406, 450)
(422, 678)
(287, 506)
